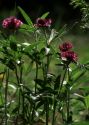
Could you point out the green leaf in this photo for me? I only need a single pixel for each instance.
(48, 90)
(54, 52)
(85, 89)
(27, 28)
(52, 36)
(30, 47)
(62, 31)
(12, 88)
(81, 123)
(39, 104)
(10, 64)
(12, 38)
(44, 15)
(26, 17)
(15, 109)
(13, 46)
(87, 63)
(40, 82)
(77, 74)
(28, 90)
(57, 82)
(87, 101)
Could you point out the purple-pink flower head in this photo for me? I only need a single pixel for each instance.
(66, 46)
(11, 23)
(43, 22)
(69, 56)
(66, 53)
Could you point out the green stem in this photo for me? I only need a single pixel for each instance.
(47, 111)
(6, 90)
(23, 99)
(21, 88)
(47, 69)
(19, 103)
(21, 73)
(68, 99)
(2, 86)
(36, 77)
(54, 109)
(33, 113)
(36, 64)
(17, 78)
(61, 84)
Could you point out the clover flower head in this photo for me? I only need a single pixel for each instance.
(66, 46)
(69, 56)
(43, 22)
(11, 23)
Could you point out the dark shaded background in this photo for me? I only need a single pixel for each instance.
(60, 10)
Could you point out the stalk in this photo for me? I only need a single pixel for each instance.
(61, 84)
(6, 91)
(2, 85)
(36, 65)
(33, 107)
(36, 77)
(68, 111)
(17, 78)
(47, 68)
(54, 110)
(68, 100)
(47, 110)
(22, 91)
